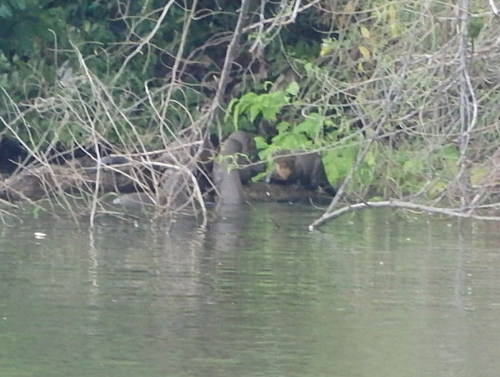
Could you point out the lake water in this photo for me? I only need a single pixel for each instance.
(376, 293)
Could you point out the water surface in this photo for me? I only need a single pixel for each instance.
(376, 293)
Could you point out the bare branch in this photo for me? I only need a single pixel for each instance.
(400, 205)
(230, 54)
(493, 7)
(144, 41)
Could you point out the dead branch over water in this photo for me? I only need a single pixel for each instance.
(397, 204)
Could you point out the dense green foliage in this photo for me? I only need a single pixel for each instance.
(387, 90)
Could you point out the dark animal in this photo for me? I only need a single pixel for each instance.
(242, 146)
(305, 169)
(234, 167)
(12, 154)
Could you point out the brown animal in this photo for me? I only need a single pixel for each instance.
(234, 167)
(303, 169)
(242, 145)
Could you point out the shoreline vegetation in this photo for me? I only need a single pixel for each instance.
(398, 98)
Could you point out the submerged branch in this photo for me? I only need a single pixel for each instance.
(399, 204)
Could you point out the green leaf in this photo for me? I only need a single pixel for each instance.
(311, 126)
(371, 158)
(254, 110)
(365, 52)
(266, 154)
(475, 27)
(230, 108)
(283, 127)
(291, 141)
(260, 142)
(338, 163)
(365, 32)
(413, 165)
(293, 89)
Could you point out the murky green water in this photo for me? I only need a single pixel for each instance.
(373, 294)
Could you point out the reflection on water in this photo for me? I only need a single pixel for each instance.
(255, 294)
